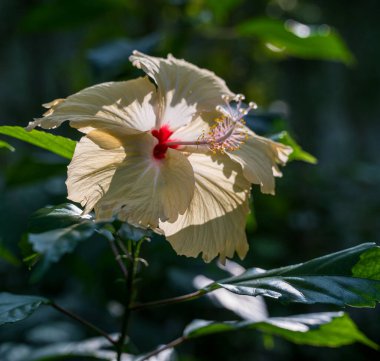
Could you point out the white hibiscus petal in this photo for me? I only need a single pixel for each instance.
(90, 172)
(184, 89)
(214, 222)
(259, 157)
(127, 106)
(145, 190)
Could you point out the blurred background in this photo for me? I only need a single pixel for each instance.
(312, 67)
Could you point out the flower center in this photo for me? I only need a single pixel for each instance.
(163, 135)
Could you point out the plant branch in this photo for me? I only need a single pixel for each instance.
(133, 253)
(83, 321)
(119, 259)
(168, 301)
(122, 247)
(171, 344)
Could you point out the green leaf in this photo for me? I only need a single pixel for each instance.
(59, 14)
(333, 279)
(299, 40)
(298, 153)
(29, 169)
(368, 265)
(220, 10)
(54, 143)
(6, 145)
(7, 255)
(57, 230)
(328, 329)
(15, 308)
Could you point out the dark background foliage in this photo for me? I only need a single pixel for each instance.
(50, 49)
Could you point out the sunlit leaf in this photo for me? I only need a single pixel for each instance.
(298, 153)
(54, 143)
(6, 145)
(328, 329)
(248, 308)
(55, 231)
(296, 39)
(333, 279)
(15, 308)
(368, 265)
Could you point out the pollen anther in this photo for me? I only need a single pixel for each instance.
(229, 131)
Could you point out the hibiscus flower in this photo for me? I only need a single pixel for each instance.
(169, 151)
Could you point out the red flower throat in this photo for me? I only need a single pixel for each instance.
(163, 135)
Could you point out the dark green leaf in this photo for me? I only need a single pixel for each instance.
(54, 143)
(30, 170)
(15, 308)
(221, 10)
(299, 40)
(6, 145)
(134, 233)
(298, 153)
(55, 231)
(333, 279)
(29, 257)
(329, 329)
(7, 255)
(59, 14)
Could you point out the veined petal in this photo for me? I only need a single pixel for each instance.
(184, 89)
(259, 157)
(195, 131)
(127, 106)
(145, 190)
(90, 172)
(214, 222)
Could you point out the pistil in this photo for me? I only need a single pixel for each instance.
(229, 131)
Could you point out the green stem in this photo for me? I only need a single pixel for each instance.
(169, 301)
(83, 322)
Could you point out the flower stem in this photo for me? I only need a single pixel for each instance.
(169, 301)
(83, 321)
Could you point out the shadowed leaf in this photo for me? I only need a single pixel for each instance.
(55, 231)
(15, 308)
